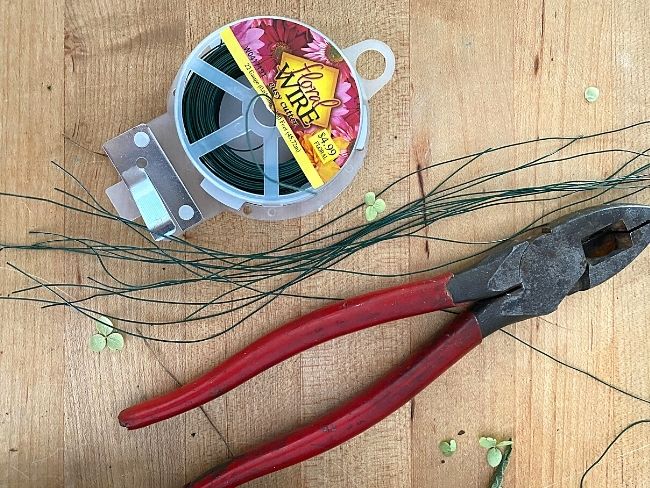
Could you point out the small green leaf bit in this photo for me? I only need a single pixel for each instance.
(97, 343)
(104, 326)
(374, 206)
(494, 456)
(499, 473)
(487, 442)
(494, 449)
(105, 336)
(448, 448)
(115, 342)
(592, 93)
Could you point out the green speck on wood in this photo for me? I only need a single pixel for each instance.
(106, 336)
(374, 206)
(371, 214)
(369, 198)
(487, 442)
(379, 205)
(591, 94)
(448, 448)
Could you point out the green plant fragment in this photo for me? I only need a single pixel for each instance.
(499, 473)
(494, 456)
(115, 342)
(371, 214)
(487, 442)
(97, 343)
(448, 448)
(592, 93)
(379, 205)
(104, 325)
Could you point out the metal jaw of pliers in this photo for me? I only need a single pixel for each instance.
(531, 276)
(523, 278)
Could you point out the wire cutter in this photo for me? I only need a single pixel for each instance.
(520, 279)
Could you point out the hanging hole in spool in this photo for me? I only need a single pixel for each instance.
(371, 64)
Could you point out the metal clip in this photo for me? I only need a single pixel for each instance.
(153, 185)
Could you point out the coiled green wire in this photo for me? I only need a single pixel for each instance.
(201, 107)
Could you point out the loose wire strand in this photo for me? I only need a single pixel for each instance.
(609, 446)
(253, 300)
(250, 276)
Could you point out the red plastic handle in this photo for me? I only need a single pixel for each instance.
(354, 417)
(303, 333)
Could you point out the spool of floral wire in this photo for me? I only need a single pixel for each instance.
(202, 103)
(267, 118)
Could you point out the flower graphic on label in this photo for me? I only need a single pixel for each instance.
(320, 49)
(348, 103)
(280, 36)
(313, 87)
(344, 135)
(250, 35)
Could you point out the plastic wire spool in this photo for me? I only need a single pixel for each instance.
(267, 118)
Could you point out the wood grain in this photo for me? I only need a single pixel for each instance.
(469, 75)
(31, 345)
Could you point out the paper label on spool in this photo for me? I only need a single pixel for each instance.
(313, 89)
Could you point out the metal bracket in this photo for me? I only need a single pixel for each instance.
(156, 189)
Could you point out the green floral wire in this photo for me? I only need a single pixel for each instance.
(431, 166)
(102, 209)
(609, 446)
(137, 228)
(471, 156)
(406, 176)
(385, 219)
(198, 318)
(92, 313)
(331, 254)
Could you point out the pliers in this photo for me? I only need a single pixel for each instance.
(520, 279)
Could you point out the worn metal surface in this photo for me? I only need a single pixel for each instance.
(575, 253)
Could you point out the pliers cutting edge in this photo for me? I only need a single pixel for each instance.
(520, 279)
